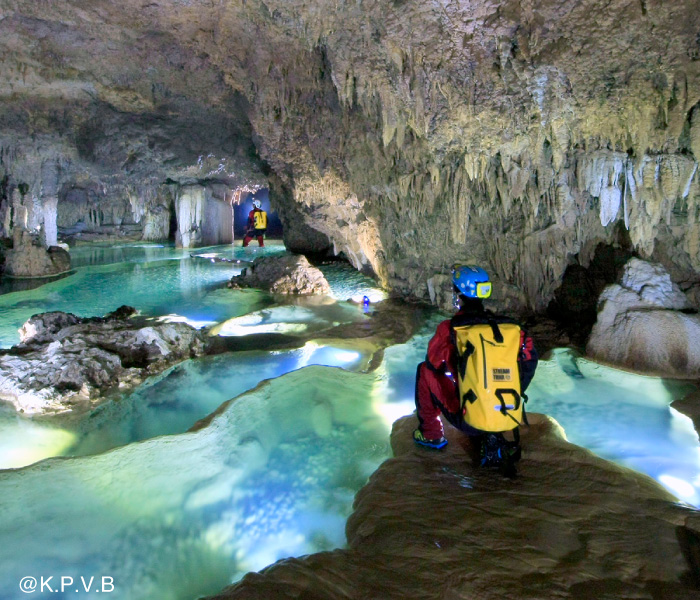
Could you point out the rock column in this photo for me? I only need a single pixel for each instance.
(189, 206)
(48, 202)
(50, 211)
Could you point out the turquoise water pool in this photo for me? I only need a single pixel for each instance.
(160, 280)
(168, 404)
(182, 285)
(622, 417)
(173, 284)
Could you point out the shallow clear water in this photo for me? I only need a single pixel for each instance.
(174, 401)
(98, 254)
(160, 280)
(175, 284)
(181, 516)
(622, 417)
(275, 473)
(194, 290)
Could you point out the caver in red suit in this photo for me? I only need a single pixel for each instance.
(256, 226)
(436, 378)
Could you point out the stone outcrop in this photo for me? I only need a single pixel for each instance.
(433, 525)
(66, 363)
(282, 275)
(641, 324)
(29, 258)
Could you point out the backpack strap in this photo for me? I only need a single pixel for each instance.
(497, 335)
(504, 410)
(523, 395)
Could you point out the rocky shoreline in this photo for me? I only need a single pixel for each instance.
(66, 363)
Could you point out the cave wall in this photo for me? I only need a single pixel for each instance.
(410, 135)
(515, 135)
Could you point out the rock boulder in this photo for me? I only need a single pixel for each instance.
(282, 275)
(29, 258)
(647, 324)
(64, 362)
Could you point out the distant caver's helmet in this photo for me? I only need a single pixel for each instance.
(471, 281)
(257, 204)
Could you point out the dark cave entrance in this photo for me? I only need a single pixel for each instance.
(172, 228)
(575, 304)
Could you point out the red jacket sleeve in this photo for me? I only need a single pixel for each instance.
(441, 350)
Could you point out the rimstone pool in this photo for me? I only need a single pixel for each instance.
(173, 513)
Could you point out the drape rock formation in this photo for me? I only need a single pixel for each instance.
(515, 134)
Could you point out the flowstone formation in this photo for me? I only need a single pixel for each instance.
(411, 135)
(646, 323)
(432, 525)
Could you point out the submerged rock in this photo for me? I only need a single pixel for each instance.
(65, 362)
(282, 275)
(641, 324)
(433, 525)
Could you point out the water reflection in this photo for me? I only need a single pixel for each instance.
(9, 285)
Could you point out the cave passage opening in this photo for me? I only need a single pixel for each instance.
(575, 302)
(242, 208)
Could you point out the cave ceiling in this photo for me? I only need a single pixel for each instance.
(413, 134)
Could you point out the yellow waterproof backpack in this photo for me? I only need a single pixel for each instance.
(489, 376)
(260, 219)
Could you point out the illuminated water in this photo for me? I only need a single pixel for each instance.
(622, 417)
(274, 475)
(166, 281)
(169, 403)
(172, 284)
(182, 516)
(160, 281)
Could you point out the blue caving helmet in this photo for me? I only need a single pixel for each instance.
(257, 203)
(471, 281)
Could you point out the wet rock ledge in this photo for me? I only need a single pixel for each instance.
(430, 525)
(65, 362)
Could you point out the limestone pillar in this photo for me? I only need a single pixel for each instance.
(189, 206)
(20, 218)
(50, 229)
